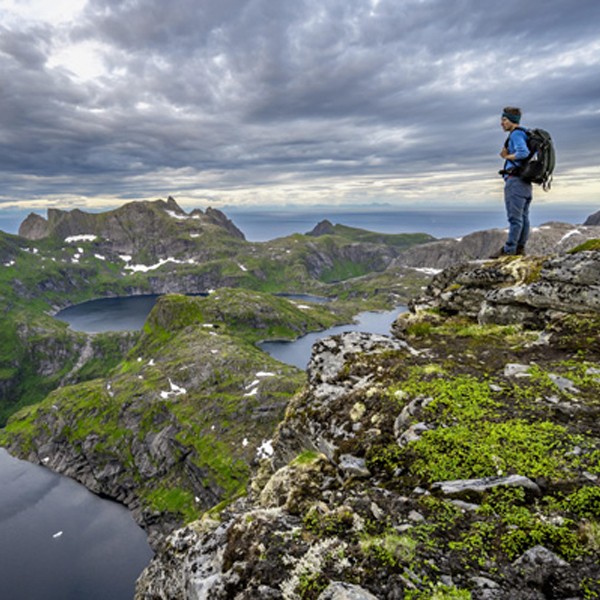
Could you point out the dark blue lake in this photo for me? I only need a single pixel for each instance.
(109, 314)
(58, 541)
(297, 353)
(122, 314)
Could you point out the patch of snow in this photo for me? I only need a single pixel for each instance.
(245, 442)
(151, 363)
(99, 257)
(214, 351)
(265, 450)
(303, 307)
(175, 391)
(175, 215)
(568, 235)
(86, 237)
(57, 534)
(253, 384)
(208, 325)
(265, 374)
(46, 460)
(427, 270)
(160, 263)
(194, 235)
(242, 267)
(252, 392)
(125, 257)
(10, 263)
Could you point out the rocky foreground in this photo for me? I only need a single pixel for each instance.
(458, 459)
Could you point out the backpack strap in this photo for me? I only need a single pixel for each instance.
(508, 136)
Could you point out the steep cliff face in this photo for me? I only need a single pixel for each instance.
(458, 459)
(39, 355)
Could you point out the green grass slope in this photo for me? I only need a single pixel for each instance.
(176, 426)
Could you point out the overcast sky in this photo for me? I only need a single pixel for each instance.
(250, 102)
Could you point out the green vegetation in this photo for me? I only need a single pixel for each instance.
(175, 501)
(195, 381)
(438, 592)
(398, 240)
(474, 420)
(390, 549)
(588, 245)
(36, 277)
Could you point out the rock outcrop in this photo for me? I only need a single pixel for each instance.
(517, 290)
(593, 219)
(456, 460)
(324, 227)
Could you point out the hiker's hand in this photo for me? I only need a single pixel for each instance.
(504, 152)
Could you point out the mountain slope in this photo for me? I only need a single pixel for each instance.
(175, 427)
(459, 460)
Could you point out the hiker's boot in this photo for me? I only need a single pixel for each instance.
(498, 254)
(520, 250)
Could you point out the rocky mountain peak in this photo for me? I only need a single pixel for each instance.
(148, 231)
(34, 227)
(593, 219)
(219, 218)
(324, 227)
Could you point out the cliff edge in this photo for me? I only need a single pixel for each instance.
(457, 459)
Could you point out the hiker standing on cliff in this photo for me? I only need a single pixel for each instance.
(517, 193)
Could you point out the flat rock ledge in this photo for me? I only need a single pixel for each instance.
(469, 489)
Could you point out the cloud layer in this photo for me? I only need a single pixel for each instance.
(254, 101)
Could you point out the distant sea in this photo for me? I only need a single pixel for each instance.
(262, 224)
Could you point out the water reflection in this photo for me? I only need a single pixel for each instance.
(58, 541)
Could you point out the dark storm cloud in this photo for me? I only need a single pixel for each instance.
(256, 91)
